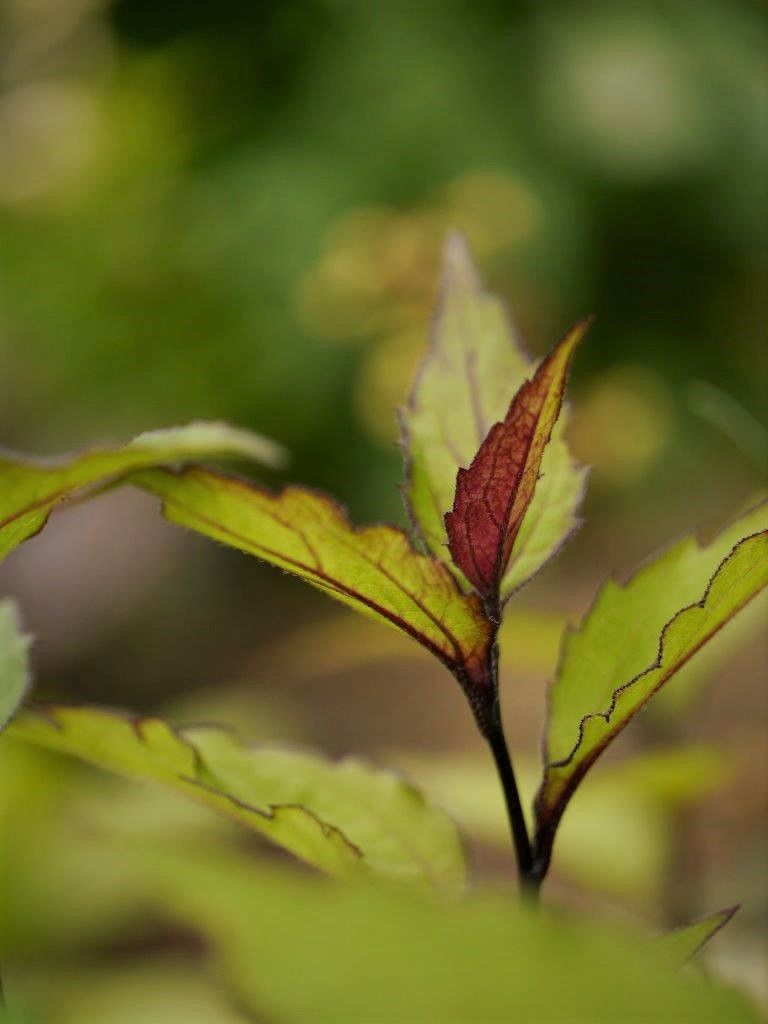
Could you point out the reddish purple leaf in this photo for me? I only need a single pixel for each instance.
(493, 494)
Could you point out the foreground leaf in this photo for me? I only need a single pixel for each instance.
(377, 957)
(342, 817)
(14, 662)
(470, 375)
(633, 640)
(30, 488)
(373, 569)
(682, 944)
(162, 988)
(493, 494)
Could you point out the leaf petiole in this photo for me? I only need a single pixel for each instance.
(527, 875)
(493, 732)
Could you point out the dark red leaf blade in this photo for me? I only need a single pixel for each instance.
(492, 495)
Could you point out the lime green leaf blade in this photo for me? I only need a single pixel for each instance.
(14, 662)
(473, 370)
(552, 516)
(399, 834)
(682, 944)
(634, 639)
(373, 569)
(374, 956)
(344, 818)
(31, 488)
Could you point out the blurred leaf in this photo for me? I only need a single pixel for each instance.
(630, 802)
(51, 803)
(14, 662)
(342, 643)
(374, 569)
(684, 943)
(672, 777)
(163, 990)
(466, 383)
(375, 956)
(338, 817)
(494, 493)
(30, 488)
(728, 415)
(633, 640)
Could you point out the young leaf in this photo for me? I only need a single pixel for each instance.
(633, 640)
(344, 818)
(682, 944)
(494, 493)
(30, 488)
(373, 569)
(14, 665)
(467, 380)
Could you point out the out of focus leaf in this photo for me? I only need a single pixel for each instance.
(378, 957)
(467, 381)
(163, 990)
(31, 488)
(340, 643)
(340, 817)
(14, 666)
(494, 493)
(631, 802)
(374, 569)
(51, 803)
(633, 640)
(727, 414)
(684, 943)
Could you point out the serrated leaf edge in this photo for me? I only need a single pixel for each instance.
(553, 815)
(48, 713)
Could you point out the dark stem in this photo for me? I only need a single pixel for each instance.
(529, 880)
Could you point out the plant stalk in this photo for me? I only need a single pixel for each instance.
(529, 880)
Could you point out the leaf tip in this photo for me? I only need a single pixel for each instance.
(458, 266)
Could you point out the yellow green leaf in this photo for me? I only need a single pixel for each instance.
(681, 944)
(634, 638)
(374, 956)
(30, 488)
(473, 370)
(373, 569)
(345, 818)
(14, 661)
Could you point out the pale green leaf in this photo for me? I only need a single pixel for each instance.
(373, 569)
(471, 374)
(307, 951)
(634, 639)
(681, 944)
(30, 488)
(344, 818)
(14, 661)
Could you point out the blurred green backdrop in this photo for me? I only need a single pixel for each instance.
(234, 210)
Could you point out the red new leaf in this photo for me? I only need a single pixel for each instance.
(492, 495)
